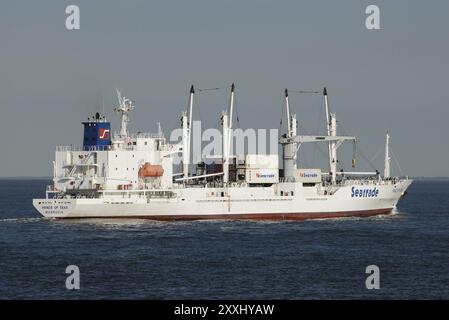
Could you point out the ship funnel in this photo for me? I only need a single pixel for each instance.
(97, 132)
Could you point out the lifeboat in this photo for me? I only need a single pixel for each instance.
(149, 170)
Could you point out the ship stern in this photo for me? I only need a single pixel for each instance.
(54, 208)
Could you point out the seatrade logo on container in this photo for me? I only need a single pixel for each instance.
(308, 174)
(265, 175)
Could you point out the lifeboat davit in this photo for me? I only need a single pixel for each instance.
(149, 170)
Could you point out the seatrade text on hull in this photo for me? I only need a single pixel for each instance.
(122, 175)
(364, 193)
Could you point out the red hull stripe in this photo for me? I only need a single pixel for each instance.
(254, 216)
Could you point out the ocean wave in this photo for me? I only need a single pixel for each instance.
(21, 220)
(112, 224)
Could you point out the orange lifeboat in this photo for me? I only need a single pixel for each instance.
(149, 170)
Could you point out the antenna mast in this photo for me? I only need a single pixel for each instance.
(124, 108)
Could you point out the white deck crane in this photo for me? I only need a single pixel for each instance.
(291, 142)
(227, 135)
(387, 160)
(187, 133)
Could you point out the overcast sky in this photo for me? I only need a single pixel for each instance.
(395, 79)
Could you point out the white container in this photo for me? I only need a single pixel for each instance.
(262, 161)
(262, 175)
(309, 175)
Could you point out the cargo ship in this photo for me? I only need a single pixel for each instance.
(133, 175)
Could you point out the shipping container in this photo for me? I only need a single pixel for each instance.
(309, 175)
(262, 161)
(257, 176)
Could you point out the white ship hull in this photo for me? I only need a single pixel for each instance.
(232, 203)
(132, 176)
